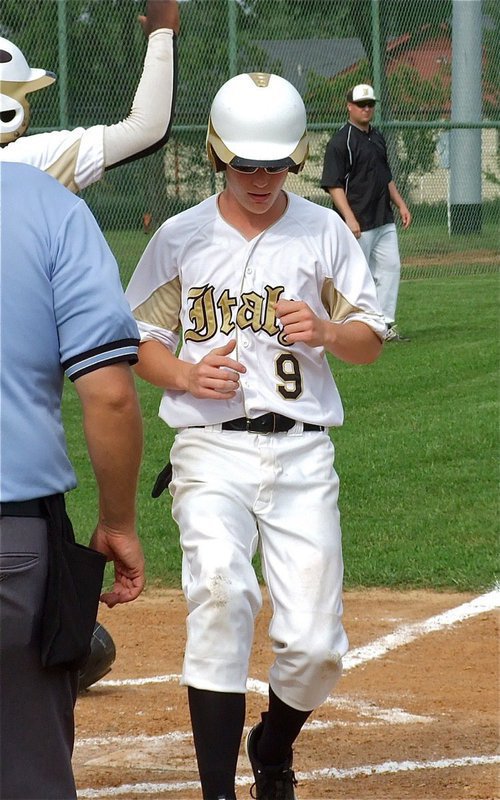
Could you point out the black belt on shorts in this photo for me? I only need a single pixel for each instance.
(267, 423)
(23, 508)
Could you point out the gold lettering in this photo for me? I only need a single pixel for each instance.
(273, 295)
(226, 304)
(201, 314)
(254, 311)
(250, 312)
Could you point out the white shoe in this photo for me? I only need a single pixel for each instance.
(393, 335)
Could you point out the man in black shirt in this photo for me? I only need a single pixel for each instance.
(357, 176)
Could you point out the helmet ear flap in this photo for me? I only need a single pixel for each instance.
(217, 164)
(14, 117)
(17, 80)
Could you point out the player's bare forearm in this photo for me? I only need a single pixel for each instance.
(398, 201)
(160, 14)
(159, 366)
(354, 342)
(214, 377)
(342, 204)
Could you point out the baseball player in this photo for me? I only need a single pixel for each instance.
(357, 176)
(79, 157)
(262, 284)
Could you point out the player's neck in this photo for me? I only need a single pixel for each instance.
(363, 126)
(250, 224)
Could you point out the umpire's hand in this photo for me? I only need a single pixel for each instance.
(125, 550)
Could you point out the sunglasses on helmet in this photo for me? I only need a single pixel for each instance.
(251, 170)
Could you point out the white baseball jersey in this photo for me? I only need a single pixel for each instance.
(77, 158)
(200, 275)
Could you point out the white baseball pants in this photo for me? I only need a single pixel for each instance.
(380, 248)
(236, 491)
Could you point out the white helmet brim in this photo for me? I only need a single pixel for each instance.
(17, 79)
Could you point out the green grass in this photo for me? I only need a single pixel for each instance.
(425, 247)
(418, 451)
(417, 455)
(433, 240)
(127, 246)
(427, 239)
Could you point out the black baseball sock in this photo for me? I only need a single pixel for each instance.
(282, 725)
(217, 720)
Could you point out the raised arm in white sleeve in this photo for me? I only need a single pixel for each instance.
(147, 127)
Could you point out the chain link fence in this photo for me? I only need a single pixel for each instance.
(434, 65)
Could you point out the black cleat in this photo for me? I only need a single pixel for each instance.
(271, 783)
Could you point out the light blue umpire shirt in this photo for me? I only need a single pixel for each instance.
(62, 311)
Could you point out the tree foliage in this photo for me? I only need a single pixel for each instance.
(105, 47)
(412, 150)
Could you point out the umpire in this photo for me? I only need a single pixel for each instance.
(62, 313)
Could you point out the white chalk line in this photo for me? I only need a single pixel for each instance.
(393, 715)
(369, 652)
(381, 716)
(123, 741)
(408, 633)
(140, 681)
(399, 766)
(387, 767)
(361, 655)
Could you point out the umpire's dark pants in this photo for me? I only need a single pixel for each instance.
(36, 705)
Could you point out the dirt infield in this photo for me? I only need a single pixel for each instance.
(415, 715)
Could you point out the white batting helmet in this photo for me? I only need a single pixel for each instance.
(257, 119)
(17, 79)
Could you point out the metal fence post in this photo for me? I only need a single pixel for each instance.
(232, 37)
(376, 61)
(466, 106)
(62, 77)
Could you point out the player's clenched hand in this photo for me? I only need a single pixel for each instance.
(353, 225)
(300, 323)
(160, 14)
(216, 376)
(125, 550)
(405, 215)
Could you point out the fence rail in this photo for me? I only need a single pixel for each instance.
(408, 51)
